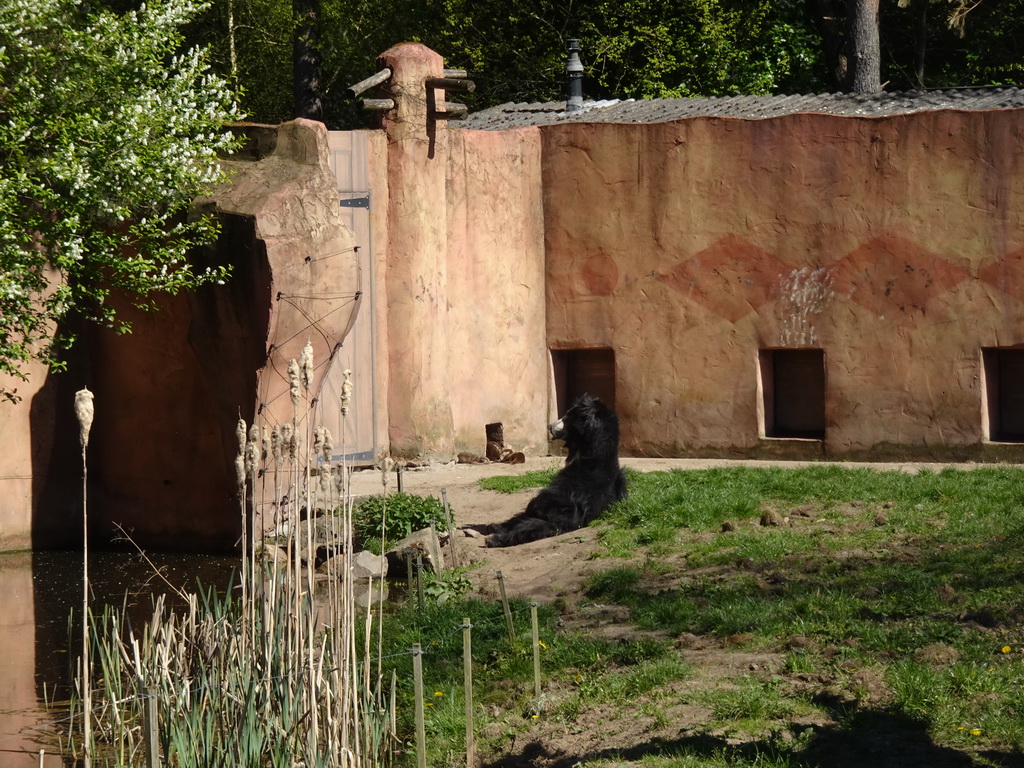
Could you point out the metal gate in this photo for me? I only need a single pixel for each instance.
(355, 436)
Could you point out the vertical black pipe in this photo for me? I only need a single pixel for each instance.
(574, 78)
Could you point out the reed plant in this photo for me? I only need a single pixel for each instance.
(266, 674)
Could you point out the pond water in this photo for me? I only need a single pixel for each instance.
(38, 592)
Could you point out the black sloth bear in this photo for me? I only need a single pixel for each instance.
(588, 484)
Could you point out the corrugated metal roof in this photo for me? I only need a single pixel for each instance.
(507, 116)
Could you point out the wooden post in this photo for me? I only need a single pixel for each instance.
(448, 522)
(467, 674)
(150, 724)
(408, 572)
(435, 546)
(535, 632)
(394, 696)
(419, 579)
(421, 729)
(504, 605)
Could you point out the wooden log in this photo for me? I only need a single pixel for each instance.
(457, 73)
(378, 105)
(451, 84)
(370, 82)
(452, 111)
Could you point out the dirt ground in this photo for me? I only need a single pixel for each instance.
(555, 569)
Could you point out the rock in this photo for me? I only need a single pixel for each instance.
(728, 526)
(370, 592)
(426, 544)
(366, 566)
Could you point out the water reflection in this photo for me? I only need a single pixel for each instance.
(38, 593)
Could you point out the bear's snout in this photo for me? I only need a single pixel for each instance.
(557, 429)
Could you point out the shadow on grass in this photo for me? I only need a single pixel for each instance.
(870, 739)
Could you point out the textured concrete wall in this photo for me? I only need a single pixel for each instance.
(461, 272)
(498, 355)
(893, 244)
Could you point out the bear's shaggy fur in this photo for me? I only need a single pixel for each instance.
(588, 484)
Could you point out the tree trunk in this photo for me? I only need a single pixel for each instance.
(920, 40)
(825, 19)
(306, 86)
(863, 53)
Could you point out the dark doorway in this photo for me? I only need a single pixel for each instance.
(583, 371)
(793, 382)
(1004, 394)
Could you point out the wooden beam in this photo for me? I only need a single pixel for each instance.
(458, 74)
(370, 82)
(452, 111)
(451, 84)
(378, 105)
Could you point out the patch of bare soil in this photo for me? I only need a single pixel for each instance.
(556, 569)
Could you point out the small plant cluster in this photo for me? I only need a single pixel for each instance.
(382, 520)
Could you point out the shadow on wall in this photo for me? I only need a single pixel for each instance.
(168, 397)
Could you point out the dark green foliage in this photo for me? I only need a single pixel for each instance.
(401, 513)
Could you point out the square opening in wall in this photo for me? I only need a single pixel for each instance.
(1004, 394)
(793, 387)
(583, 371)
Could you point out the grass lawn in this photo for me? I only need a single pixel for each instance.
(805, 617)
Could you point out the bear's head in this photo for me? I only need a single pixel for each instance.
(588, 427)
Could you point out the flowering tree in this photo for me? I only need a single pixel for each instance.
(107, 134)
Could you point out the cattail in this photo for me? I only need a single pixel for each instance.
(325, 478)
(293, 381)
(250, 449)
(346, 392)
(84, 411)
(385, 468)
(287, 438)
(277, 443)
(328, 446)
(265, 444)
(318, 439)
(306, 365)
(240, 434)
(240, 470)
